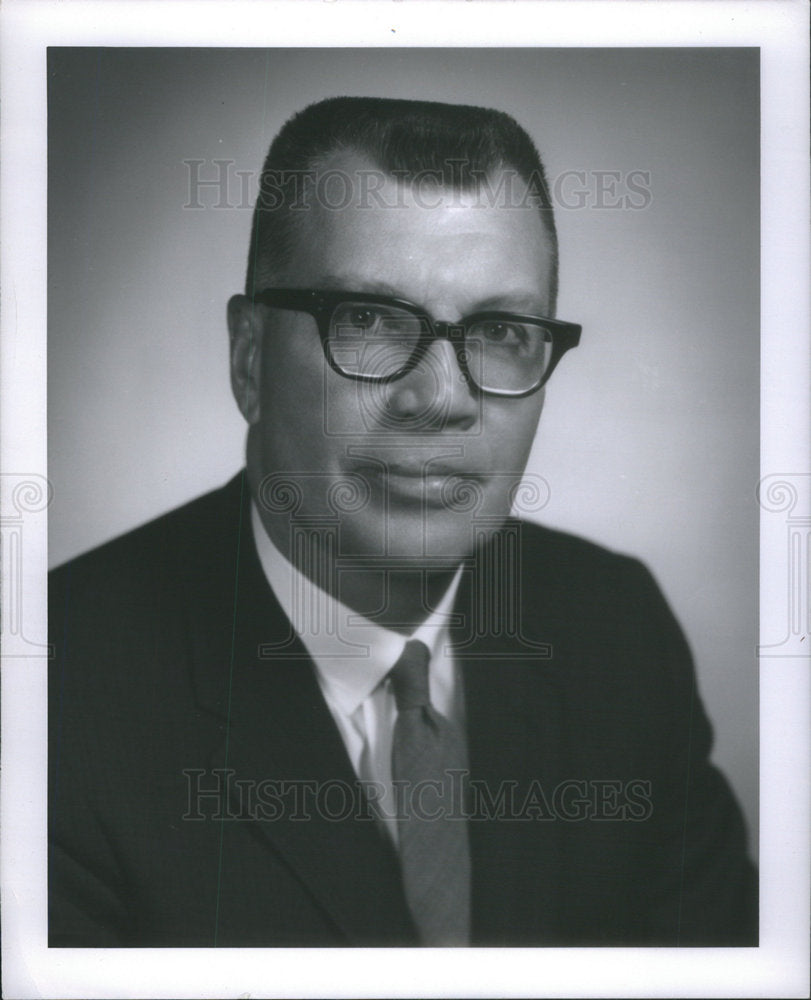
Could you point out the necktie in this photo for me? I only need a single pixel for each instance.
(434, 852)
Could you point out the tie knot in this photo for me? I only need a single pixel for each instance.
(409, 676)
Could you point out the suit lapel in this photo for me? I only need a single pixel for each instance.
(275, 726)
(278, 730)
(511, 685)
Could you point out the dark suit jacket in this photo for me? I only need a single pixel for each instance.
(174, 673)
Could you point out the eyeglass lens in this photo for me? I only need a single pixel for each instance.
(369, 340)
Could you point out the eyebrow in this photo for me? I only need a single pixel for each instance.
(352, 283)
(512, 302)
(518, 301)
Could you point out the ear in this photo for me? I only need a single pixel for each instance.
(246, 323)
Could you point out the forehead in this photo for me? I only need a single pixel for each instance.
(422, 241)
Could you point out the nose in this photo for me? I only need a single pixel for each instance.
(436, 394)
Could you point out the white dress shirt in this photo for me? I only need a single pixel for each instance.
(352, 657)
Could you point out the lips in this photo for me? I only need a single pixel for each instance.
(429, 468)
(426, 484)
(423, 471)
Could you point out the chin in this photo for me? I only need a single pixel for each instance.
(423, 539)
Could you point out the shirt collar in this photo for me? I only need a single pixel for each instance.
(352, 655)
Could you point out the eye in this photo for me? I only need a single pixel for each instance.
(358, 319)
(502, 332)
(361, 317)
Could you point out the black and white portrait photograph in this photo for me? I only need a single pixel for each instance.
(400, 481)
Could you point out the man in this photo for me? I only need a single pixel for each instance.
(347, 700)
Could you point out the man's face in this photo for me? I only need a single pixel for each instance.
(405, 465)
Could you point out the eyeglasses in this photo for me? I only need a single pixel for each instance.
(376, 338)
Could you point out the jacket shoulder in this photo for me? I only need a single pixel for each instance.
(201, 528)
(578, 588)
(548, 553)
(142, 593)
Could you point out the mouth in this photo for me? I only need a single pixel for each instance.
(439, 487)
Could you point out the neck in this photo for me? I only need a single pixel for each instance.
(400, 600)
(399, 596)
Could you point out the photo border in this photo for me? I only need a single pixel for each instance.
(779, 966)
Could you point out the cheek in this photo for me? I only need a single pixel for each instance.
(510, 427)
(308, 413)
(291, 404)
(528, 427)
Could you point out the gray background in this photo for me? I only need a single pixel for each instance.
(649, 440)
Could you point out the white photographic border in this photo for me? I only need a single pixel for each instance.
(779, 966)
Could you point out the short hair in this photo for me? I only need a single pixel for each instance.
(458, 145)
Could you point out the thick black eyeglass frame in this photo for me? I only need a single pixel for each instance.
(322, 304)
